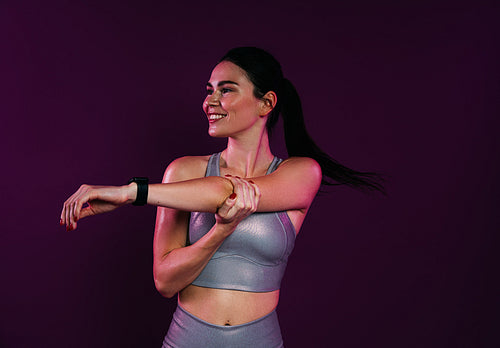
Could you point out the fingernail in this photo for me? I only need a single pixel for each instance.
(227, 175)
(60, 222)
(68, 228)
(232, 196)
(251, 182)
(237, 177)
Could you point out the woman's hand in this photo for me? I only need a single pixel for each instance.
(242, 202)
(100, 199)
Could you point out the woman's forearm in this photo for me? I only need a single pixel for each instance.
(204, 194)
(181, 266)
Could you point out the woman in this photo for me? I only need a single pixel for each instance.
(227, 258)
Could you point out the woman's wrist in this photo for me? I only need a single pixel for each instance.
(225, 229)
(130, 192)
(141, 189)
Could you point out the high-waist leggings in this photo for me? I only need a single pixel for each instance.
(188, 331)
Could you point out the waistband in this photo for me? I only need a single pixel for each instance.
(187, 330)
(225, 327)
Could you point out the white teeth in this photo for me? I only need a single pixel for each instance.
(214, 117)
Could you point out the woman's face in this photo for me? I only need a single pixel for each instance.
(230, 104)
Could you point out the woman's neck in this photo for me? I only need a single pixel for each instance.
(248, 157)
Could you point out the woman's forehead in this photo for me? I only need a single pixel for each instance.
(227, 71)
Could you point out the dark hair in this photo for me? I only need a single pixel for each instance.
(264, 71)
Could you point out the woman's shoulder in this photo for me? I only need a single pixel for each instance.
(186, 168)
(300, 167)
(303, 163)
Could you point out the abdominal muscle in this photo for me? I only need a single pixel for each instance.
(227, 307)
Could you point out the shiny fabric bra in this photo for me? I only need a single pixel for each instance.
(253, 258)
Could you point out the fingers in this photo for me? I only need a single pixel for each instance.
(248, 194)
(72, 208)
(87, 211)
(100, 199)
(228, 204)
(257, 194)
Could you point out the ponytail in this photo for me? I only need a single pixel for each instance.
(299, 143)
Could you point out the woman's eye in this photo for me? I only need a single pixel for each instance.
(209, 91)
(225, 90)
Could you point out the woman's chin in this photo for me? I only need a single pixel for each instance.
(216, 133)
(217, 136)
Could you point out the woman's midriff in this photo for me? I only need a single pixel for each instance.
(227, 307)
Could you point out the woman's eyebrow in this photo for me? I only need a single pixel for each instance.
(225, 82)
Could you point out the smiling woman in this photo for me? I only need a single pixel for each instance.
(226, 223)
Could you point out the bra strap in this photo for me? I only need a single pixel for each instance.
(274, 165)
(213, 165)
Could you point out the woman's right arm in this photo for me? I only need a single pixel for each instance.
(292, 186)
(176, 265)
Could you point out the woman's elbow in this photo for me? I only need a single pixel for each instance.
(164, 288)
(221, 189)
(163, 283)
(224, 185)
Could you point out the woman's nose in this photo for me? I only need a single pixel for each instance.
(213, 99)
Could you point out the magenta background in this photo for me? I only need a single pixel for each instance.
(97, 93)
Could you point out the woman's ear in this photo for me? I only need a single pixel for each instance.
(269, 101)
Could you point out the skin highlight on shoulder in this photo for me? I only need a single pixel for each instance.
(306, 165)
(186, 168)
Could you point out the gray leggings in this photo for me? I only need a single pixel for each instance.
(188, 331)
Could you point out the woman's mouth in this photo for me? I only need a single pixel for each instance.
(215, 117)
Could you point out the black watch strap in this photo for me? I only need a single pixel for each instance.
(142, 190)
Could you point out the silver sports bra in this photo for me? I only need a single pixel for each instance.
(253, 258)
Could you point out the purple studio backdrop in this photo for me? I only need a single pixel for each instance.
(98, 92)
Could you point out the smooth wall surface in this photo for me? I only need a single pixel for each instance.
(98, 92)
